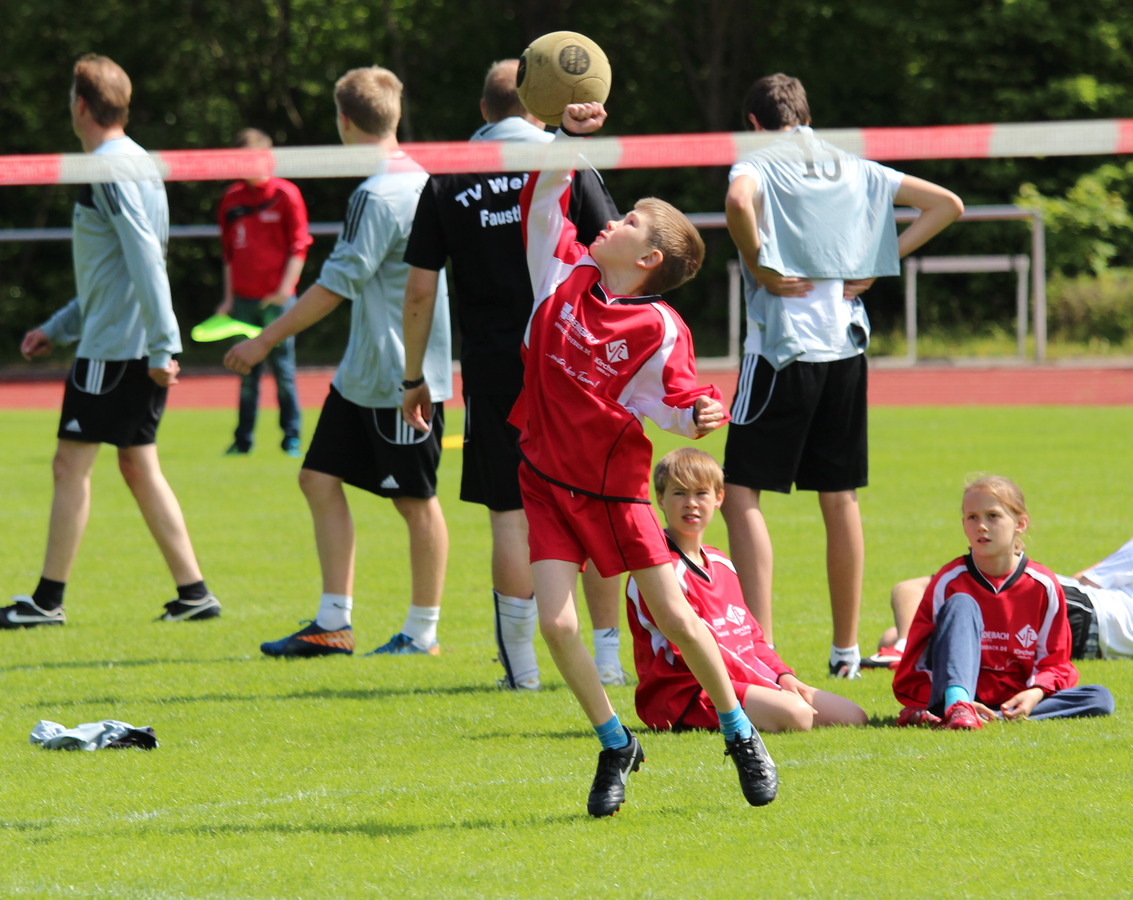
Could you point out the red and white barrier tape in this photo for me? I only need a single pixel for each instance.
(1081, 138)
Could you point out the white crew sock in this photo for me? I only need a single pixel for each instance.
(607, 643)
(334, 611)
(516, 619)
(899, 644)
(421, 624)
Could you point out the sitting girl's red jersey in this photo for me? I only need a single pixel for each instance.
(1026, 636)
(668, 694)
(594, 364)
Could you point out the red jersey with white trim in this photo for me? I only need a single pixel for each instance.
(261, 227)
(595, 364)
(668, 694)
(1026, 638)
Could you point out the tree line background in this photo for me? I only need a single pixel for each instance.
(202, 69)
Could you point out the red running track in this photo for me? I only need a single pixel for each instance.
(926, 385)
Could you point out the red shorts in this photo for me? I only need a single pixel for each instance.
(690, 708)
(561, 524)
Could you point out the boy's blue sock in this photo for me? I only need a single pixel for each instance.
(954, 693)
(611, 734)
(735, 724)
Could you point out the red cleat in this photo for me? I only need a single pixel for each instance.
(912, 715)
(962, 716)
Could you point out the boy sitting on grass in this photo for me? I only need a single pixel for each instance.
(690, 488)
(602, 351)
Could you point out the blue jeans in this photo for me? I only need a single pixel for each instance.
(282, 363)
(955, 660)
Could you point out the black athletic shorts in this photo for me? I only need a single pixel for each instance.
(375, 450)
(1083, 618)
(803, 425)
(490, 475)
(111, 402)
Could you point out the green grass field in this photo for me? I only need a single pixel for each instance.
(415, 777)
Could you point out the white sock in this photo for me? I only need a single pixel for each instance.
(607, 643)
(845, 654)
(421, 624)
(899, 644)
(334, 611)
(516, 620)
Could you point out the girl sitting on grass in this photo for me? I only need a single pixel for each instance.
(990, 638)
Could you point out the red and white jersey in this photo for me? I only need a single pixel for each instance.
(1026, 637)
(261, 227)
(595, 364)
(668, 694)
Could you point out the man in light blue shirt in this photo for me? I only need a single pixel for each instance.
(814, 226)
(360, 438)
(127, 333)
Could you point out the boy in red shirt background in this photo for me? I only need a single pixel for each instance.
(264, 238)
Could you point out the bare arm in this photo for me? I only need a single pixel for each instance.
(939, 208)
(416, 323)
(743, 226)
(315, 304)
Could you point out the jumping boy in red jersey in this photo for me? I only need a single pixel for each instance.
(601, 352)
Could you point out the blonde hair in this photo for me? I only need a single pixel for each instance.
(105, 87)
(1007, 492)
(681, 246)
(370, 98)
(688, 469)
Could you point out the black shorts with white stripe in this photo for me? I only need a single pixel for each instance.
(375, 450)
(111, 402)
(804, 425)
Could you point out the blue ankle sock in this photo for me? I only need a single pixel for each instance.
(611, 734)
(954, 693)
(735, 724)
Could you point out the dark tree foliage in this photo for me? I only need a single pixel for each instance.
(204, 68)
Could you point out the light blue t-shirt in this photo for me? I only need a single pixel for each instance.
(826, 215)
(367, 267)
(119, 234)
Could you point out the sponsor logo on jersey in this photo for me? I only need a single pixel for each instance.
(1026, 636)
(616, 351)
(735, 614)
(996, 636)
(567, 315)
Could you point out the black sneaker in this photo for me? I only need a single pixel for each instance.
(759, 779)
(25, 614)
(207, 607)
(614, 765)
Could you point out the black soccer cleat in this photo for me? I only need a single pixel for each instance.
(759, 780)
(608, 791)
(24, 613)
(207, 607)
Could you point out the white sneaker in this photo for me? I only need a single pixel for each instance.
(525, 684)
(613, 675)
